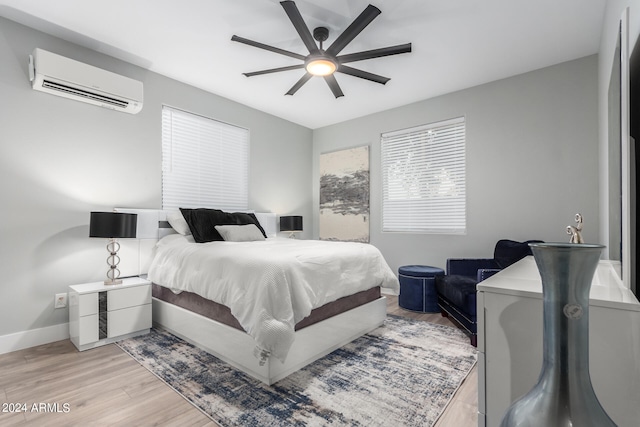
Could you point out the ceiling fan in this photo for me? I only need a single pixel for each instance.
(324, 63)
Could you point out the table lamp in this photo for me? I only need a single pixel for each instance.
(292, 224)
(113, 225)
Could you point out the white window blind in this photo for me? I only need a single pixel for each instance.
(205, 163)
(423, 179)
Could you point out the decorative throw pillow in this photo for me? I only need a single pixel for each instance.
(508, 252)
(240, 233)
(178, 223)
(202, 222)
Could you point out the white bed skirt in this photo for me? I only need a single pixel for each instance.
(235, 347)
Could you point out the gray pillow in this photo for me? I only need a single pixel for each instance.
(240, 233)
(178, 223)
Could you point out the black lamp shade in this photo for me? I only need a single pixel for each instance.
(290, 223)
(113, 225)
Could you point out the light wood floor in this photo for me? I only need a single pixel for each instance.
(104, 386)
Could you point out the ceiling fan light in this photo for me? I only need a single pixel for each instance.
(321, 67)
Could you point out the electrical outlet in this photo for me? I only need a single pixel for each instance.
(60, 301)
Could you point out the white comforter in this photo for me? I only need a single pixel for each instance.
(270, 285)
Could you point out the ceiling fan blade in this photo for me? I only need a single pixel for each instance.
(359, 24)
(363, 74)
(267, 47)
(375, 53)
(333, 85)
(301, 27)
(299, 84)
(274, 70)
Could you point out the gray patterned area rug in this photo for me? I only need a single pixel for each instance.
(402, 374)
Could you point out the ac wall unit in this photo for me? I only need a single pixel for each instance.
(71, 79)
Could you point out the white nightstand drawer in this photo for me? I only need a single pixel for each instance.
(87, 304)
(127, 320)
(100, 314)
(128, 297)
(88, 329)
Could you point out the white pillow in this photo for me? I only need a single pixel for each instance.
(178, 223)
(239, 233)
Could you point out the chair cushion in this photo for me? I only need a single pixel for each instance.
(459, 291)
(420, 271)
(508, 252)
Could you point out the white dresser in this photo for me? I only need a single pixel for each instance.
(100, 314)
(510, 342)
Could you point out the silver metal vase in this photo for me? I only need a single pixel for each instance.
(563, 396)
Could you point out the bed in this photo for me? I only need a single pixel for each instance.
(268, 306)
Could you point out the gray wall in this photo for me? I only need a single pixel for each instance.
(61, 159)
(532, 161)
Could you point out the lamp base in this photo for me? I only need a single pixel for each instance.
(113, 260)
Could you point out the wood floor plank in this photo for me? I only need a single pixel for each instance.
(10, 360)
(104, 386)
(12, 418)
(50, 378)
(142, 382)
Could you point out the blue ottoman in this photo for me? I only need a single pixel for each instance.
(418, 288)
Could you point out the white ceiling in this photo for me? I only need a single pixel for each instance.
(456, 45)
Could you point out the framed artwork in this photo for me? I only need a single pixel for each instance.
(344, 195)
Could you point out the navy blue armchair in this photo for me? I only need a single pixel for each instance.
(457, 288)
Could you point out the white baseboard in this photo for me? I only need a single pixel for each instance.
(33, 337)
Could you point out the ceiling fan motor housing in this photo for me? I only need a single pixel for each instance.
(321, 34)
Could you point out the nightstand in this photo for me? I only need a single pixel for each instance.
(101, 314)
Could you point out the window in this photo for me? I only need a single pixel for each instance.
(423, 179)
(205, 163)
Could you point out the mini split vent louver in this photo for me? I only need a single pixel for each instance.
(71, 79)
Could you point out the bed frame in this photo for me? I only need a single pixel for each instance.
(236, 347)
